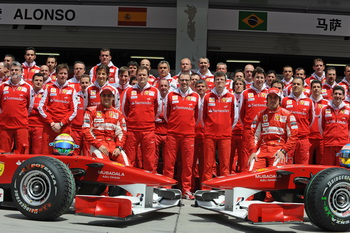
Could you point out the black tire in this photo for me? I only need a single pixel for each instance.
(43, 188)
(327, 199)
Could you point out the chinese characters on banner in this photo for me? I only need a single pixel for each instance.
(331, 24)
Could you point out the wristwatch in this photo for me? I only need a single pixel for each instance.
(61, 124)
(283, 151)
(120, 148)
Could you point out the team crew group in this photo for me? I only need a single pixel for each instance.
(197, 123)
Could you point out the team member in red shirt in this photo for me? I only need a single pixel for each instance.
(237, 131)
(132, 67)
(315, 137)
(36, 121)
(51, 62)
(106, 59)
(77, 122)
(4, 69)
(271, 76)
(186, 66)
(319, 74)
(248, 75)
(104, 127)
(44, 70)
(201, 88)
(29, 66)
(203, 70)
(181, 113)
(146, 63)
(275, 133)
(124, 78)
(58, 107)
(79, 70)
(300, 72)
(287, 78)
(334, 126)
(141, 106)
(253, 100)
(219, 120)
(193, 80)
(345, 82)
(303, 109)
(16, 102)
(164, 73)
(220, 67)
(161, 124)
(92, 92)
(330, 82)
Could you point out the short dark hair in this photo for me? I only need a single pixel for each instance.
(132, 63)
(123, 69)
(29, 48)
(62, 66)
(142, 68)
(132, 79)
(238, 79)
(316, 81)
(103, 67)
(219, 74)
(330, 68)
(258, 70)
(335, 88)
(52, 56)
(201, 81)
(302, 80)
(271, 72)
(277, 81)
(37, 75)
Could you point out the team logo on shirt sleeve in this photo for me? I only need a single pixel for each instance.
(250, 95)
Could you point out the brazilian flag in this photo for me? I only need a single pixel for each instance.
(252, 20)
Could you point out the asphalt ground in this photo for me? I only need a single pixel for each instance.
(176, 220)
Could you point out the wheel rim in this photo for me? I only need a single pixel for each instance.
(35, 188)
(339, 199)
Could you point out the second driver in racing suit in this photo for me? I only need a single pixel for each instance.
(274, 132)
(104, 127)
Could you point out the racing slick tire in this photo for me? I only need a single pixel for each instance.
(327, 199)
(43, 188)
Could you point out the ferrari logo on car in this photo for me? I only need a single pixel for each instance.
(2, 168)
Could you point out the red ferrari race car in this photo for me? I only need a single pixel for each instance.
(324, 191)
(44, 187)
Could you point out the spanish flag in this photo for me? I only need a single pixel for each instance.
(128, 16)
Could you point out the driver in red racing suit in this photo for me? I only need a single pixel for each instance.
(274, 132)
(104, 127)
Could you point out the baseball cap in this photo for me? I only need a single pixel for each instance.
(107, 89)
(274, 90)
